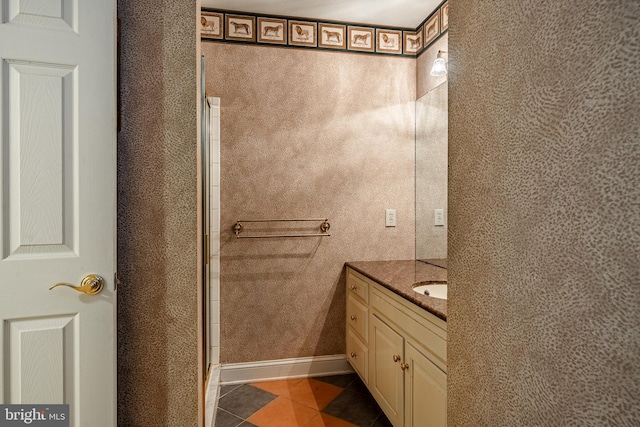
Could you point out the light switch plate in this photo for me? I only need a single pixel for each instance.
(390, 217)
(439, 217)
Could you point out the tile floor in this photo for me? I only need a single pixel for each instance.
(333, 401)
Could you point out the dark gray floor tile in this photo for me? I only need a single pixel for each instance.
(382, 421)
(225, 419)
(245, 400)
(357, 408)
(338, 380)
(358, 386)
(224, 389)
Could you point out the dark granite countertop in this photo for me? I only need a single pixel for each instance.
(400, 277)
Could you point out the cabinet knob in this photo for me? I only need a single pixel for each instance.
(404, 366)
(396, 358)
(354, 287)
(353, 354)
(354, 317)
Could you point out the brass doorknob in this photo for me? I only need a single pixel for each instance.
(90, 285)
(354, 317)
(404, 366)
(353, 354)
(396, 358)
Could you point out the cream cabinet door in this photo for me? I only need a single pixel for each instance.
(385, 375)
(425, 391)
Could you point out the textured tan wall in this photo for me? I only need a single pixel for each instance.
(307, 134)
(157, 225)
(544, 196)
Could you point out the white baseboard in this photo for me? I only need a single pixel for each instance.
(267, 370)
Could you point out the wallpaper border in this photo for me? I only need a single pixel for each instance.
(294, 32)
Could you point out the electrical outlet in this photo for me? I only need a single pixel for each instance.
(439, 217)
(390, 217)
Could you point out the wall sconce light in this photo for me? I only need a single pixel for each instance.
(439, 65)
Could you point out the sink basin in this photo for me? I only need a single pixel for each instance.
(434, 290)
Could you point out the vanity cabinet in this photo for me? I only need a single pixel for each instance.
(358, 324)
(403, 358)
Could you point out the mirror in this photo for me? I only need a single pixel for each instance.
(431, 173)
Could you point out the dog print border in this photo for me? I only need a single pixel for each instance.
(332, 36)
(412, 42)
(240, 27)
(431, 28)
(444, 17)
(212, 20)
(303, 33)
(389, 41)
(361, 39)
(272, 30)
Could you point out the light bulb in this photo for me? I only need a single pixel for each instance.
(439, 68)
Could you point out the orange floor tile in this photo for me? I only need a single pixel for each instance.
(283, 412)
(278, 387)
(329, 401)
(308, 391)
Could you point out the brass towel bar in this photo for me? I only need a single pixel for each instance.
(324, 228)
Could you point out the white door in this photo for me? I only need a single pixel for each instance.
(57, 223)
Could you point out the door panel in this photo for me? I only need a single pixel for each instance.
(58, 14)
(33, 378)
(40, 214)
(57, 222)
